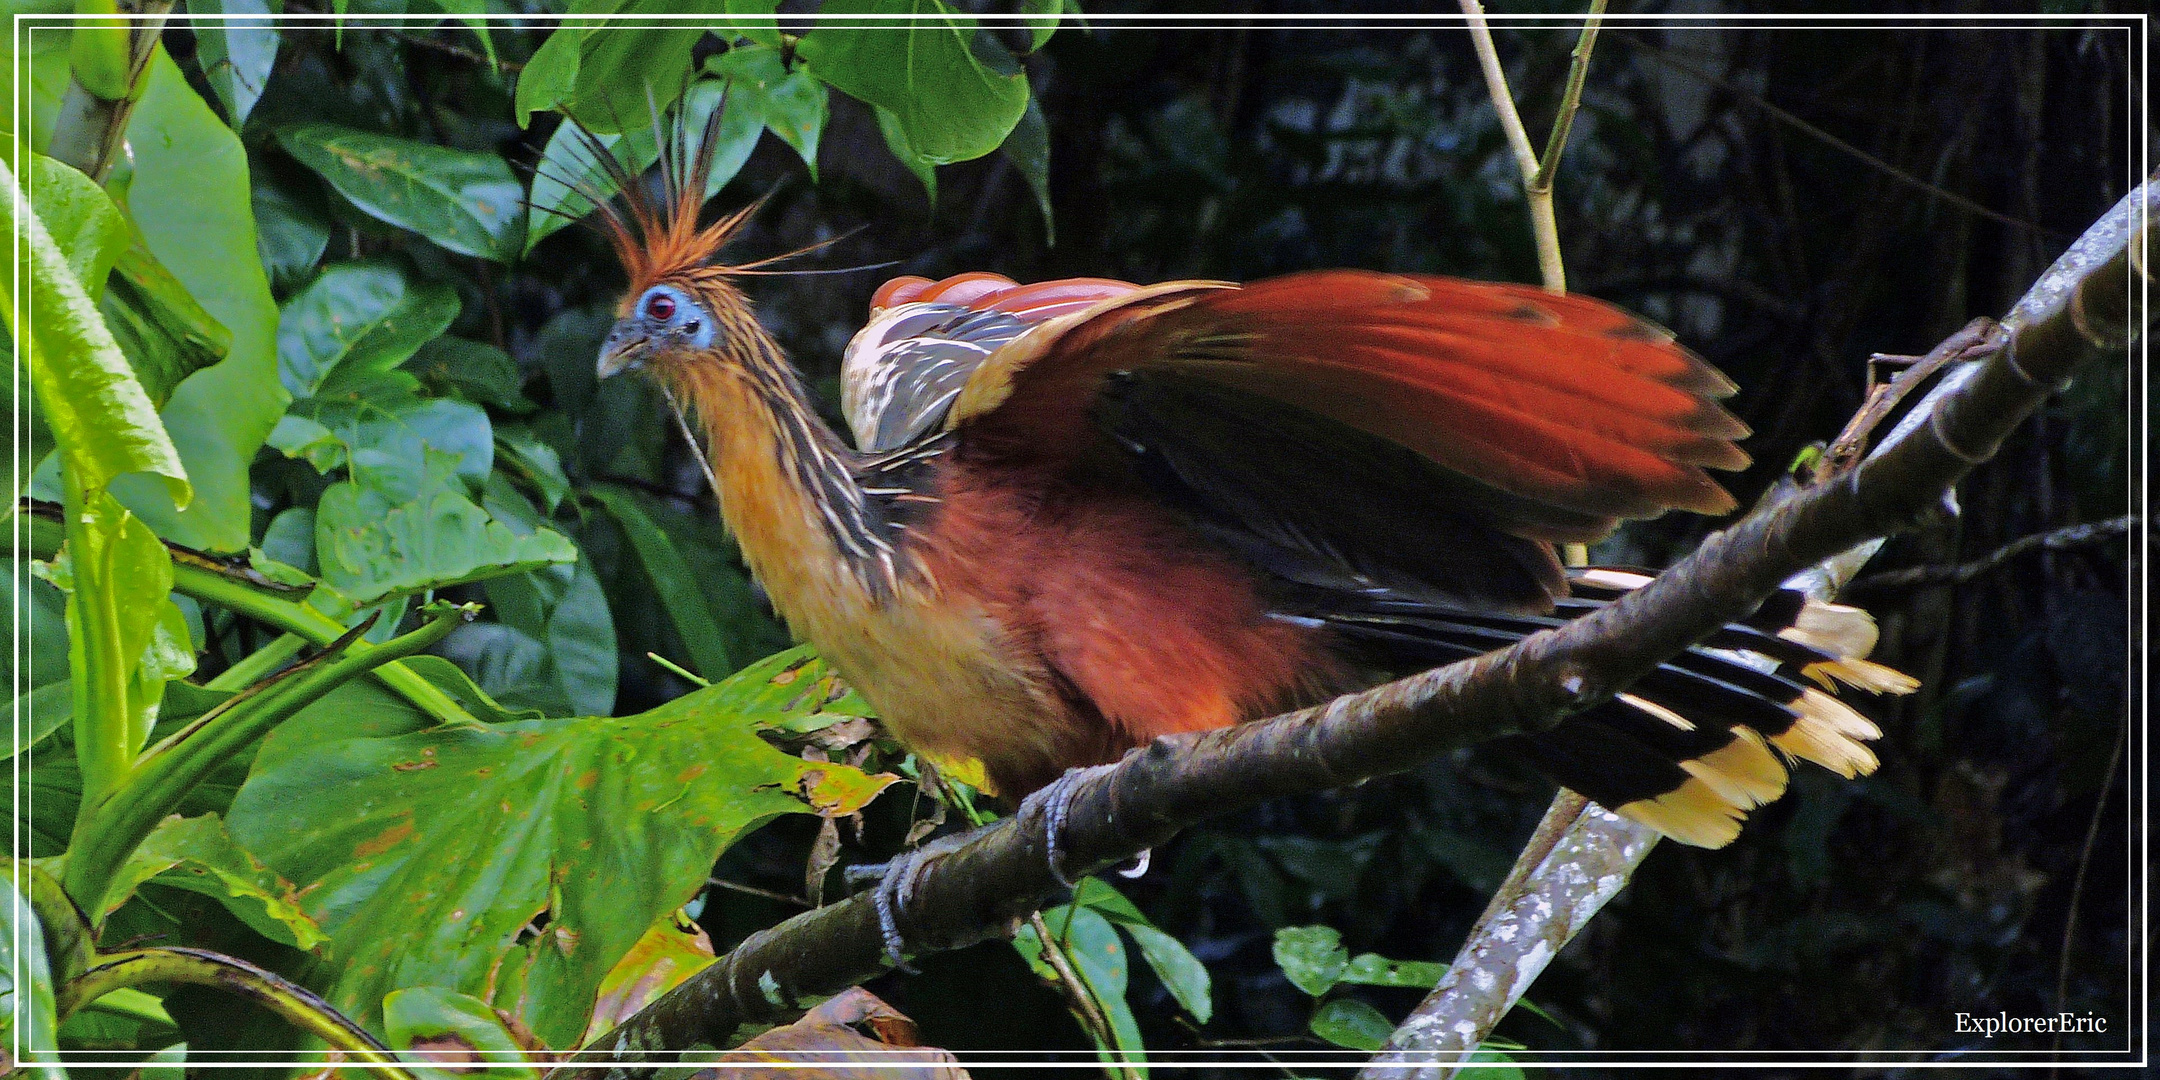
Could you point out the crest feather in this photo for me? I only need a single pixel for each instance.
(660, 239)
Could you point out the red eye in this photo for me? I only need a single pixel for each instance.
(661, 308)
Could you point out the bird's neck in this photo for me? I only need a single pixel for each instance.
(786, 483)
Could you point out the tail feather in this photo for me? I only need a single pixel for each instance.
(1693, 746)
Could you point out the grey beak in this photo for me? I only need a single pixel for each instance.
(623, 350)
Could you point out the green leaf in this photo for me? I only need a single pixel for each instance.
(477, 370)
(85, 389)
(794, 104)
(290, 237)
(896, 140)
(567, 165)
(1311, 957)
(371, 546)
(1181, 972)
(464, 201)
(453, 681)
(196, 854)
(521, 453)
(398, 442)
(563, 609)
(424, 854)
(1370, 969)
(1046, 20)
(955, 92)
(432, 1023)
(163, 331)
(797, 692)
(1353, 1024)
(356, 320)
(189, 200)
(1028, 148)
(674, 949)
(30, 1001)
(673, 583)
(608, 74)
(236, 54)
(753, 19)
(81, 218)
(1094, 948)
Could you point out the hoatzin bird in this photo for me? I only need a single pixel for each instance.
(1080, 514)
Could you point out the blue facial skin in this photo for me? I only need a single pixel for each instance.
(664, 319)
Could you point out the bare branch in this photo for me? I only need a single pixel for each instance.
(979, 885)
(2072, 536)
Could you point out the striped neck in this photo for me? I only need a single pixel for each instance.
(787, 484)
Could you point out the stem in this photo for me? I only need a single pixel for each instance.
(106, 65)
(108, 831)
(1537, 175)
(201, 967)
(1570, 99)
(257, 665)
(316, 628)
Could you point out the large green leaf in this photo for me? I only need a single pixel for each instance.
(196, 854)
(81, 218)
(236, 54)
(465, 201)
(609, 74)
(165, 333)
(527, 857)
(794, 104)
(955, 92)
(290, 236)
(189, 200)
(433, 1023)
(356, 320)
(372, 546)
(86, 392)
(28, 1002)
(563, 610)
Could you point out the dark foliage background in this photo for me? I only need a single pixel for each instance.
(1702, 189)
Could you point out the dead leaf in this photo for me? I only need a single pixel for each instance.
(826, 1036)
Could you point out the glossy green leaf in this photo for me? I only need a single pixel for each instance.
(290, 236)
(1372, 969)
(453, 681)
(1353, 1024)
(611, 74)
(1028, 148)
(568, 171)
(896, 140)
(794, 104)
(189, 200)
(797, 692)
(44, 82)
(357, 320)
(26, 990)
(1045, 21)
(396, 441)
(1180, 971)
(465, 201)
(954, 92)
(520, 453)
(563, 610)
(751, 19)
(86, 391)
(371, 546)
(673, 583)
(166, 335)
(426, 854)
(1093, 946)
(196, 854)
(1311, 957)
(434, 1024)
(236, 54)
(480, 372)
(82, 220)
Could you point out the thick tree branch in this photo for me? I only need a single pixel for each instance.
(976, 886)
(1532, 919)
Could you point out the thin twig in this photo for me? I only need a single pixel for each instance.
(2077, 883)
(752, 890)
(1570, 100)
(2070, 536)
(1077, 992)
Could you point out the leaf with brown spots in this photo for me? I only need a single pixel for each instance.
(533, 856)
(828, 1037)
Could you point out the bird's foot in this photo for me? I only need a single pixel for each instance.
(896, 879)
(1055, 805)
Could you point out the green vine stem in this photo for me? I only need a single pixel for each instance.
(201, 967)
(108, 831)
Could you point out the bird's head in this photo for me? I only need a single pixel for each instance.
(682, 308)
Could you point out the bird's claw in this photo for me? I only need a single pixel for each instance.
(895, 887)
(1056, 805)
